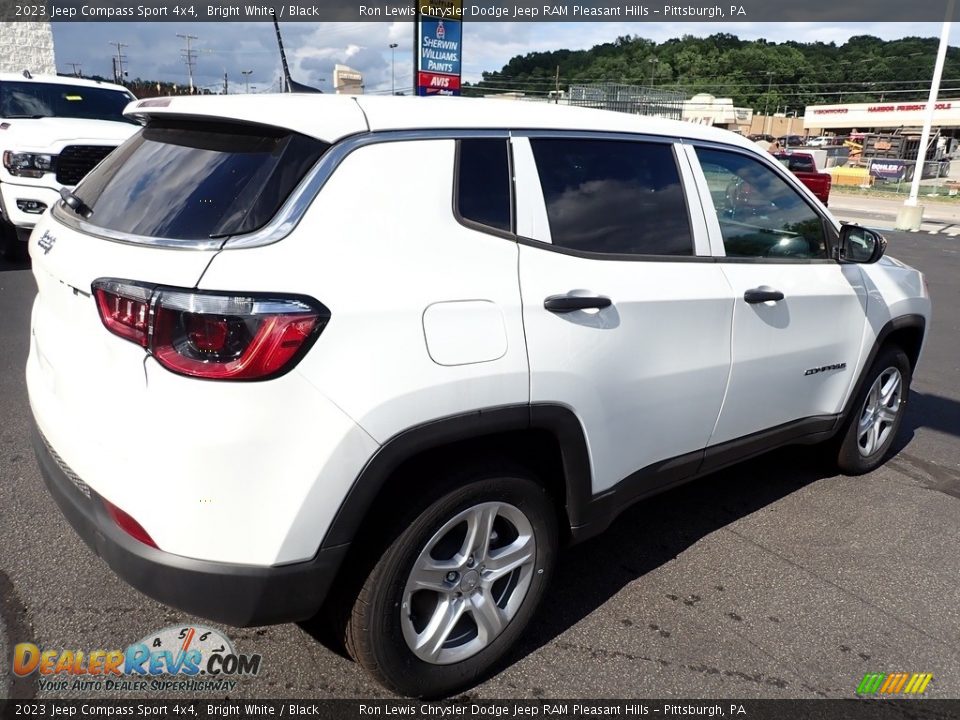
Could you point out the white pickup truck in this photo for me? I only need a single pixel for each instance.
(53, 131)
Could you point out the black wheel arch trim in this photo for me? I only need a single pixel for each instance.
(557, 419)
(902, 322)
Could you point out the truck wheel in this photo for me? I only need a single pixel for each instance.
(455, 589)
(876, 415)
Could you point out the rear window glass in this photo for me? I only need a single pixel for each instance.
(797, 164)
(35, 100)
(198, 180)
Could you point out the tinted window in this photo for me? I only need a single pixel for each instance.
(197, 180)
(483, 184)
(32, 99)
(796, 163)
(760, 214)
(611, 196)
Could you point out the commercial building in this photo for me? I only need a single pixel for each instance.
(27, 46)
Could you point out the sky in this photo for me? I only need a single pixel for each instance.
(154, 50)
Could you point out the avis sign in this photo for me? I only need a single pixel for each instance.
(439, 44)
(436, 84)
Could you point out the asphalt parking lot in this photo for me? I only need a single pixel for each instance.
(774, 579)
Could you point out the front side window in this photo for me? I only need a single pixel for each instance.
(619, 197)
(39, 100)
(197, 180)
(760, 214)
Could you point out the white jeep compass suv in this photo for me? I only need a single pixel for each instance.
(380, 358)
(53, 131)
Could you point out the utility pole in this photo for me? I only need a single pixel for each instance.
(556, 87)
(77, 69)
(393, 68)
(189, 57)
(246, 80)
(226, 84)
(766, 103)
(118, 62)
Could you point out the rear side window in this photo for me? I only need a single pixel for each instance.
(194, 181)
(794, 163)
(613, 197)
(483, 183)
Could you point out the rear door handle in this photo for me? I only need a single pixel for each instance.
(762, 294)
(570, 303)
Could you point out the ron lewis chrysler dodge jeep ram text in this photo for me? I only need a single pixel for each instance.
(411, 347)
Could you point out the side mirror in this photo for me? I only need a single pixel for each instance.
(861, 245)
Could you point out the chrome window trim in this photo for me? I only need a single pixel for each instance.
(295, 207)
(302, 197)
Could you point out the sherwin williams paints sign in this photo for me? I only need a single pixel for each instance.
(438, 47)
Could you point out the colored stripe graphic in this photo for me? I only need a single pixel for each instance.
(894, 683)
(870, 683)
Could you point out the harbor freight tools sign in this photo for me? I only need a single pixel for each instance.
(438, 47)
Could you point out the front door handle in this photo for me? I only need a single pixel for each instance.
(570, 303)
(762, 294)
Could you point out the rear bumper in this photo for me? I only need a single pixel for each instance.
(239, 595)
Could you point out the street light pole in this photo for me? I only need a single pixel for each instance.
(910, 216)
(246, 80)
(393, 68)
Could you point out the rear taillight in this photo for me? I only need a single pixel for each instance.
(217, 336)
(124, 309)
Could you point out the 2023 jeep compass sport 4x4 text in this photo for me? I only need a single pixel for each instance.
(410, 347)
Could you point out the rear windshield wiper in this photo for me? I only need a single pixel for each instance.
(75, 203)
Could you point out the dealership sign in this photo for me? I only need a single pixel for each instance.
(438, 47)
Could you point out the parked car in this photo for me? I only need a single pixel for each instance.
(54, 131)
(820, 141)
(381, 358)
(804, 167)
(791, 141)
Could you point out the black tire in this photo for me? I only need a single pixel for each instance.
(856, 453)
(374, 634)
